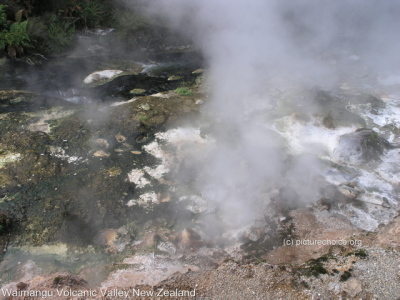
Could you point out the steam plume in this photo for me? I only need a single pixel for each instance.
(252, 47)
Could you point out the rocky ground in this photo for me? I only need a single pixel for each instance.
(369, 271)
(98, 196)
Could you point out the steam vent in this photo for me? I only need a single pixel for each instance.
(199, 149)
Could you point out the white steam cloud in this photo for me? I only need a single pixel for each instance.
(254, 46)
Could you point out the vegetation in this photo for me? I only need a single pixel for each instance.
(143, 119)
(96, 13)
(14, 38)
(49, 26)
(52, 34)
(346, 275)
(360, 253)
(184, 91)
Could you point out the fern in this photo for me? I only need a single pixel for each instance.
(59, 36)
(16, 38)
(18, 35)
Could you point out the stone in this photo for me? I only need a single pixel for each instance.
(102, 143)
(137, 91)
(103, 76)
(174, 77)
(352, 287)
(22, 286)
(101, 153)
(120, 138)
(360, 147)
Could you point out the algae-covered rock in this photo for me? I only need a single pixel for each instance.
(72, 181)
(361, 147)
(174, 77)
(137, 92)
(14, 100)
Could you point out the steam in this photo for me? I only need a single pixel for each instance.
(254, 47)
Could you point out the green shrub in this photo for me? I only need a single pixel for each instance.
(60, 36)
(183, 91)
(53, 34)
(95, 13)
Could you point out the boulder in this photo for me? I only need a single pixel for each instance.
(360, 147)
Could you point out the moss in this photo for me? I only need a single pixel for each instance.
(137, 91)
(114, 171)
(345, 276)
(361, 253)
(5, 180)
(183, 91)
(143, 118)
(315, 267)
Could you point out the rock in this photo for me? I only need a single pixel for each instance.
(360, 147)
(198, 71)
(120, 138)
(349, 190)
(373, 199)
(8, 157)
(352, 287)
(174, 77)
(167, 247)
(163, 95)
(101, 77)
(137, 92)
(101, 153)
(145, 106)
(22, 286)
(146, 200)
(124, 148)
(137, 177)
(102, 143)
(105, 237)
(189, 236)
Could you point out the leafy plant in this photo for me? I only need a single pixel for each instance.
(53, 34)
(16, 38)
